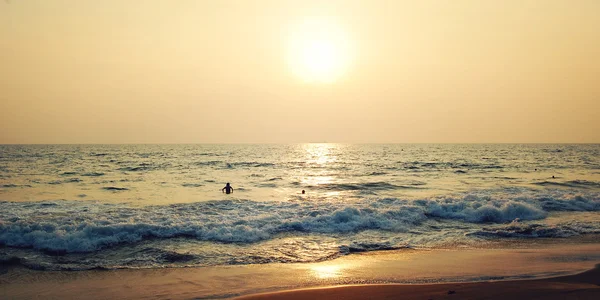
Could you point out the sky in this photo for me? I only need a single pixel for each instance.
(253, 71)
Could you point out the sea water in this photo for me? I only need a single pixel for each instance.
(74, 207)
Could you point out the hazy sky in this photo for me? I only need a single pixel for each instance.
(125, 71)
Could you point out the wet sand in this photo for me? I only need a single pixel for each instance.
(585, 285)
(403, 274)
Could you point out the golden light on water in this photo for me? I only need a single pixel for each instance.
(320, 154)
(319, 51)
(318, 157)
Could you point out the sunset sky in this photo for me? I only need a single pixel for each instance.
(125, 71)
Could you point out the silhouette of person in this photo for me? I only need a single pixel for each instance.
(303, 192)
(227, 189)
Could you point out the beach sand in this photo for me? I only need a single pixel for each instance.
(504, 273)
(585, 285)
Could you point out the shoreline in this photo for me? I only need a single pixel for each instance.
(412, 267)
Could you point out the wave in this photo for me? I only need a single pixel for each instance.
(208, 163)
(70, 180)
(233, 165)
(218, 221)
(426, 166)
(267, 185)
(519, 230)
(209, 154)
(91, 226)
(484, 213)
(136, 169)
(376, 174)
(570, 184)
(153, 254)
(245, 164)
(114, 188)
(253, 164)
(142, 167)
(358, 247)
(11, 185)
(363, 186)
(571, 203)
(98, 154)
(191, 185)
(69, 173)
(93, 174)
(164, 256)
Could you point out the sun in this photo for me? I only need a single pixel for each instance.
(318, 51)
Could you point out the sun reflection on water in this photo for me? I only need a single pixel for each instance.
(320, 154)
(318, 157)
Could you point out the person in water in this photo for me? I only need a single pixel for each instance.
(227, 189)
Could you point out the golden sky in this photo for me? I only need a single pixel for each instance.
(253, 71)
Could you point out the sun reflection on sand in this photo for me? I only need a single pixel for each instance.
(327, 272)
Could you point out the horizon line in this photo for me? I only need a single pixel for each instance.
(325, 142)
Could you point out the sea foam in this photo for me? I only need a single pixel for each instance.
(81, 226)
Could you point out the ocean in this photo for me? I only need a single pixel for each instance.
(79, 207)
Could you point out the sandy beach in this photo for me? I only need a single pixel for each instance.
(585, 285)
(517, 272)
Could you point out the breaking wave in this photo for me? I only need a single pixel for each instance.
(519, 230)
(76, 226)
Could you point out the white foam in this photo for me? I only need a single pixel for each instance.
(77, 226)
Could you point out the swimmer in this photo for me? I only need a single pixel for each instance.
(227, 189)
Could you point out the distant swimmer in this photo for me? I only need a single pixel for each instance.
(303, 192)
(227, 189)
